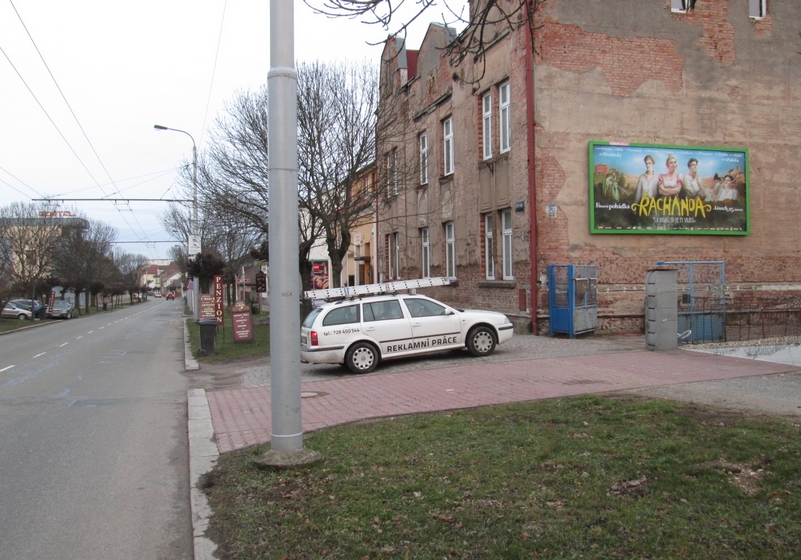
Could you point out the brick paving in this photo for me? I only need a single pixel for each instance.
(241, 417)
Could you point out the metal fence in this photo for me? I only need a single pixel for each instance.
(754, 323)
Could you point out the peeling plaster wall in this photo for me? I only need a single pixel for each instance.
(631, 71)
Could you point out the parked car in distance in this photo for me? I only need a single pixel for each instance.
(359, 333)
(31, 305)
(14, 310)
(170, 296)
(61, 310)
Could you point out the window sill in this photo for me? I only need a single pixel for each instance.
(500, 284)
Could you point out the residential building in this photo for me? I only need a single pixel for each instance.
(508, 159)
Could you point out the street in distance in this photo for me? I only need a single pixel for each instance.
(360, 333)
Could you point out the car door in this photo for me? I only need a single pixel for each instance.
(433, 322)
(384, 322)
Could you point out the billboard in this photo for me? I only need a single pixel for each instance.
(663, 189)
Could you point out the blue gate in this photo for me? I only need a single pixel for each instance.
(701, 300)
(572, 298)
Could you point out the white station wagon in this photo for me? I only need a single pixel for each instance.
(361, 332)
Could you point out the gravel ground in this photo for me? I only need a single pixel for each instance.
(775, 395)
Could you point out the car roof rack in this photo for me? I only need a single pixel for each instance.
(373, 289)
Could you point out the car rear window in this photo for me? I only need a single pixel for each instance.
(309, 320)
(342, 316)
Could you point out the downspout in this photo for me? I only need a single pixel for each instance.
(532, 183)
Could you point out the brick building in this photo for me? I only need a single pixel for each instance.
(490, 169)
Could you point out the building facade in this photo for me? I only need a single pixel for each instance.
(502, 165)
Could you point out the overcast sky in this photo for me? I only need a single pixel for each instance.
(123, 68)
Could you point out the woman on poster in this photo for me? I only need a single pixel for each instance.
(670, 183)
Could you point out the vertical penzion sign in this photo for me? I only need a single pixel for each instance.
(218, 298)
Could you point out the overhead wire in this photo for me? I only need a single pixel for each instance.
(75, 117)
(213, 72)
(21, 181)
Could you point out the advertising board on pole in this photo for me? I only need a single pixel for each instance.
(242, 322)
(206, 308)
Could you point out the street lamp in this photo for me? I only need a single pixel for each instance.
(195, 284)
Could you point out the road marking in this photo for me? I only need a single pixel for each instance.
(63, 345)
(42, 354)
(79, 338)
(90, 332)
(5, 368)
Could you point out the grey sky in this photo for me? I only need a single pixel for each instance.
(124, 68)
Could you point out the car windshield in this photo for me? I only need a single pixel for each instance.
(309, 320)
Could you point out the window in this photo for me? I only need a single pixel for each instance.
(391, 267)
(757, 9)
(486, 110)
(390, 164)
(680, 5)
(450, 250)
(424, 308)
(447, 146)
(382, 311)
(342, 316)
(505, 118)
(396, 253)
(506, 224)
(424, 159)
(489, 248)
(426, 263)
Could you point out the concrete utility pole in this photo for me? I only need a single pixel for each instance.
(287, 437)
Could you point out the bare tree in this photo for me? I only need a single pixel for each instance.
(337, 116)
(28, 234)
(131, 267)
(337, 107)
(481, 21)
(83, 255)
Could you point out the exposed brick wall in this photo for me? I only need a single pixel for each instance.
(626, 63)
(718, 37)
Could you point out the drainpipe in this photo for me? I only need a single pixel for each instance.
(532, 183)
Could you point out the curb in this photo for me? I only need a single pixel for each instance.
(190, 364)
(203, 456)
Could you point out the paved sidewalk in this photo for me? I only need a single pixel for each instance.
(529, 368)
(241, 417)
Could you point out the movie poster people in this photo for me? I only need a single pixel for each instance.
(646, 188)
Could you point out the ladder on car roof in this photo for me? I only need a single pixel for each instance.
(382, 288)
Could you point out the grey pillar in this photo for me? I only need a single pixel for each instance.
(284, 286)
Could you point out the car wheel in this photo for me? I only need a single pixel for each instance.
(21, 317)
(69, 315)
(362, 357)
(481, 341)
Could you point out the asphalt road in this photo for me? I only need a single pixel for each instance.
(93, 444)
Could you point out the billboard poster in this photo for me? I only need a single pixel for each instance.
(319, 279)
(663, 189)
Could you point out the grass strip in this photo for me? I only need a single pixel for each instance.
(578, 477)
(225, 347)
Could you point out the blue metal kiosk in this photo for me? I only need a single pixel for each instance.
(572, 298)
